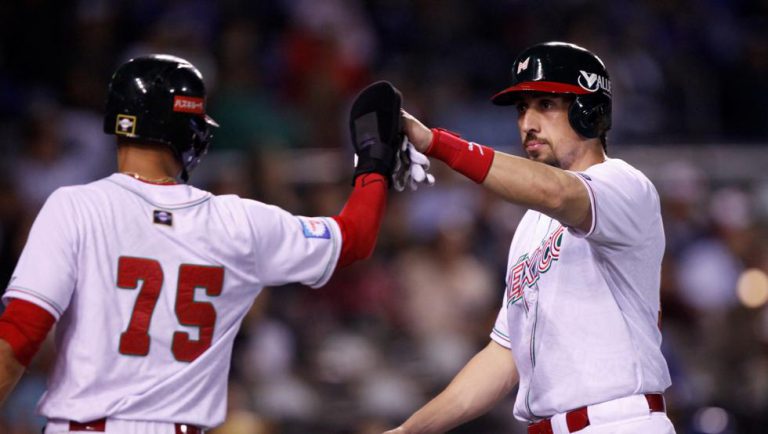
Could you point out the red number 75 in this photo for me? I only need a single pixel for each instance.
(135, 339)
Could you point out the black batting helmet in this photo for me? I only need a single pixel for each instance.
(559, 67)
(161, 98)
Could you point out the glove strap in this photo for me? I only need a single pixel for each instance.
(468, 158)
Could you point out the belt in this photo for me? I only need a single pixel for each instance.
(578, 419)
(100, 425)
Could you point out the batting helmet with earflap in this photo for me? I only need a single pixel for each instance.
(563, 68)
(161, 99)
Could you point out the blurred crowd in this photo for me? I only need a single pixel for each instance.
(385, 335)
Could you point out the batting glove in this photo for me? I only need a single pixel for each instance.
(411, 168)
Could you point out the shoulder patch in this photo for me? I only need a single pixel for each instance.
(315, 228)
(161, 217)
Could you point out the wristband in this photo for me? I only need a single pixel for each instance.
(24, 326)
(468, 158)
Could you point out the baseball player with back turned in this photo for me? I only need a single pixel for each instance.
(578, 325)
(149, 278)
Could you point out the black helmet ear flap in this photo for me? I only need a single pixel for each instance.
(590, 115)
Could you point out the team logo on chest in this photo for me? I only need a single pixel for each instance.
(530, 267)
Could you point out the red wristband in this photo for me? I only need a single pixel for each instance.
(24, 326)
(468, 158)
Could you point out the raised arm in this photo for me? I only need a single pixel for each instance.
(360, 219)
(374, 124)
(552, 191)
(485, 379)
(547, 189)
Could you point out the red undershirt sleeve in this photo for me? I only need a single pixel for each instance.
(360, 219)
(24, 326)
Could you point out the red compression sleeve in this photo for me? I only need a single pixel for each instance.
(360, 219)
(468, 158)
(24, 326)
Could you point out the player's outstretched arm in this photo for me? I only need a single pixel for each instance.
(374, 124)
(360, 219)
(550, 190)
(10, 370)
(485, 379)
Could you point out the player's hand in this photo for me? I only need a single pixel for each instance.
(398, 430)
(417, 133)
(376, 128)
(411, 168)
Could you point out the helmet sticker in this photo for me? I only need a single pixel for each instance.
(593, 82)
(189, 104)
(125, 125)
(522, 66)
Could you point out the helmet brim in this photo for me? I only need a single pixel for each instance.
(511, 95)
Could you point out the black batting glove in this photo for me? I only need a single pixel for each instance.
(375, 125)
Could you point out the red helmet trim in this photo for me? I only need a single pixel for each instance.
(538, 86)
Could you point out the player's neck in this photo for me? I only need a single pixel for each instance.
(147, 162)
(583, 158)
(587, 161)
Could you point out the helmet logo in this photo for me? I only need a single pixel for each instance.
(522, 66)
(593, 82)
(188, 104)
(125, 125)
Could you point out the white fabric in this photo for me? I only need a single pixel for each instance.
(580, 309)
(411, 168)
(69, 267)
(116, 426)
(654, 423)
(628, 415)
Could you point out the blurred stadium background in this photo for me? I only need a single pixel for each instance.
(690, 82)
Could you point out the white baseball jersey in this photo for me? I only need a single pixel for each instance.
(580, 310)
(149, 284)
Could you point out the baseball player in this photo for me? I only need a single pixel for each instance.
(577, 329)
(148, 279)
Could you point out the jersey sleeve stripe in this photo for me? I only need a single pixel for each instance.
(592, 206)
(500, 338)
(33, 297)
(335, 252)
(500, 333)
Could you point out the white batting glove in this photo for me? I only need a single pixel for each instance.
(411, 168)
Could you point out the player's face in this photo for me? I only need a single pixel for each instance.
(546, 134)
